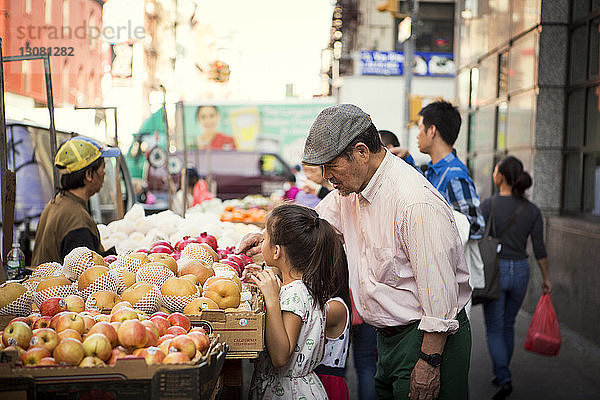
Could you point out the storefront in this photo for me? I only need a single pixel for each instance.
(527, 85)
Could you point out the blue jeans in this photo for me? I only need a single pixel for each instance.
(500, 315)
(364, 347)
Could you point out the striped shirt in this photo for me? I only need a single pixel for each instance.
(405, 256)
(451, 177)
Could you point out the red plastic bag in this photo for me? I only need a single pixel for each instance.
(355, 317)
(543, 336)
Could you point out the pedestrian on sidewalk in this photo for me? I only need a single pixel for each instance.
(405, 257)
(518, 219)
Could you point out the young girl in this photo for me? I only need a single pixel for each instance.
(332, 369)
(307, 251)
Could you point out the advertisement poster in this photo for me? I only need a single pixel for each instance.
(391, 63)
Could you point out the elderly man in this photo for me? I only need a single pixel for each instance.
(406, 261)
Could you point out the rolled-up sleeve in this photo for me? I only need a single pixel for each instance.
(429, 241)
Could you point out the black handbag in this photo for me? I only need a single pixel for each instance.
(489, 247)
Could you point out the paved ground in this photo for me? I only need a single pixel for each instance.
(574, 374)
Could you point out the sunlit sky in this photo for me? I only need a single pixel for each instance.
(273, 42)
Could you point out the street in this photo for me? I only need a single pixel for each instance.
(574, 374)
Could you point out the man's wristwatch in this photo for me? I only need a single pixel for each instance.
(435, 359)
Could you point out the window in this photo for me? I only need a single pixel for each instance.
(520, 120)
(525, 14)
(523, 62)
(434, 28)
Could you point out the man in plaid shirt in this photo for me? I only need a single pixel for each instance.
(438, 129)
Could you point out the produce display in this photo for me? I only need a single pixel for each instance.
(93, 310)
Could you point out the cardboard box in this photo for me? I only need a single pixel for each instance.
(243, 331)
(127, 379)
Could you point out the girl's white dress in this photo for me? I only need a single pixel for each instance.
(297, 379)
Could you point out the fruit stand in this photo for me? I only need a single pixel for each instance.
(169, 308)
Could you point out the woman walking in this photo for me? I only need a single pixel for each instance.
(517, 219)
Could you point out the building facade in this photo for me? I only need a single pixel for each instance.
(528, 85)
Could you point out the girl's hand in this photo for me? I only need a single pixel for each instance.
(269, 284)
(249, 271)
(546, 286)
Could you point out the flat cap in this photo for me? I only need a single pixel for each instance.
(333, 130)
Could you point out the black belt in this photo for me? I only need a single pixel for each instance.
(392, 330)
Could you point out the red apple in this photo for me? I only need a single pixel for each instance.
(152, 355)
(176, 358)
(97, 345)
(161, 323)
(198, 329)
(17, 333)
(179, 319)
(124, 314)
(70, 320)
(47, 361)
(42, 322)
(75, 303)
(117, 352)
(209, 239)
(69, 333)
(132, 333)
(89, 322)
(152, 326)
(32, 319)
(184, 344)
(44, 337)
(34, 355)
(69, 351)
(53, 306)
(164, 346)
(176, 330)
(201, 341)
(165, 337)
(107, 330)
(22, 319)
(151, 338)
(160, 313)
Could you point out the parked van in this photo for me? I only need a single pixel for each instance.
(30, 156)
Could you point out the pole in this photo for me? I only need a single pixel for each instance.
(409, 48)
(168, 140)
(50, 101)
(181, 124)
(5, 177)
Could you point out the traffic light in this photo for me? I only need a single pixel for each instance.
(390, 6)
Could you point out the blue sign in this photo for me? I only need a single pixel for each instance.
(392, 63)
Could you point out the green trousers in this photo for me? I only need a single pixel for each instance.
(398, 354)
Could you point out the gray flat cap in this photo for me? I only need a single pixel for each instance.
(334, 128)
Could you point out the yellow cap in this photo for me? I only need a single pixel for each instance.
(77, 153)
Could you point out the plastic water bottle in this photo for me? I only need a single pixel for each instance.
(15, 262)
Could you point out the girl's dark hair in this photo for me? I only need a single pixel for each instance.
(342, 285)
(512, 170)
(312, 246)
(76, 179)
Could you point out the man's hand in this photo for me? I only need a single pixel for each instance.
(249, 270)
(399, 151)
(424, 382)
(250, 244)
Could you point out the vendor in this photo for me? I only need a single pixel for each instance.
(66, 222)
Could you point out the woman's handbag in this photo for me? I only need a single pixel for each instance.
(543, 336)
(489, 247)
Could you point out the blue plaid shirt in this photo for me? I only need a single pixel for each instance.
(451, 178)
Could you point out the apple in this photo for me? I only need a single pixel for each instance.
(22, 319)
(124, 314)
(52, 306)
(176, 330)
(70, 320)
(97, 345)
(89, 322)
(75, 303)
(42, 322)
(162, 243)
(119, 305)
(160, 249)
(208, 239)
(91, 361)
(164, 338)
(183, 344)
(107, 330)
(201, 341)
(179, 319)
(31, 319)
(69, 351)
(44, 337)
(47, 361)
(111, 258)
(160, 313)
(34, 355)
(17, 333)
(69, 334)
(151, 337)
(117, 352)
(224, 292)
(20, 351)
(132, 333)
(196, 306)
(152, 355)
(164, 345)
(152, 326)
(198, 329)
(176, 358)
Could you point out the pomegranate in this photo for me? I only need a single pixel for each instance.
(110, 258)
(209, 239)
(161, 249)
